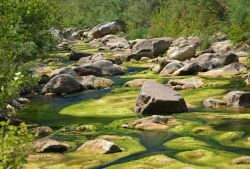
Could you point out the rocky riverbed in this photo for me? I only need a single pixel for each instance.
(97, 106)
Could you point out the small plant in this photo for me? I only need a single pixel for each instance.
(14, 141)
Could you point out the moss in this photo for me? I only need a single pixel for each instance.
(205, 157)
(77, 159)
(185, 143)
(156, 161)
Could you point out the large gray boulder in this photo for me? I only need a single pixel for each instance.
(171, 68)
(149, 48)
(62, 84)
(49, 145)
(188, 69)
(101, 30)
(183, 48)
(93, 58)
(156, 98)
(106, 67)
(238, 99)
(99, 146)
(63, 70)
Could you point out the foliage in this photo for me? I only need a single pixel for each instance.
(88, 13)
(239, 20)
(24, 36)
(13, 144)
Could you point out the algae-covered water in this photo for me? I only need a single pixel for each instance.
(203, 138)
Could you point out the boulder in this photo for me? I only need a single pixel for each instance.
(242, 160)
(91, 59)
(181, 53)
(99, 146)
(49, 145)
(189, 83)
(188, 69)
(160, 45)
(222, 46)
(229, 70)
(149, 48)
(156, 98)
(171, 68)
(118, 42)
(63, 83)
(238, 99)
(183, 48)
(75, 56)
(86, 70)
(228, 58)
(63, 70)
(155, 122)
(101, 30)
(212, 103)
(136, 83)
(106, 67)
(23, 100)
(92, 82)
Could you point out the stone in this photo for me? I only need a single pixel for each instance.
(99, 146)
(213, 103)
(242, 160)
(63, 83)
(118, 42)
(106, 67)
(75, 56)
(92, 82)
(161, 45)
(101, 30)
(155, 122)
(238, 99)
(229, 70)
(222, 46)
(183, 48)
(188, 69)
(23, 100)
(63, 70)
(181, 53)
(171, 68)
(93, 58)
(86, 70)
(156, 98)
(189, 83)
(149, 48)
(49, 145)
(228, 58)
(136, 83)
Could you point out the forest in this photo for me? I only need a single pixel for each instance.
(159, 83)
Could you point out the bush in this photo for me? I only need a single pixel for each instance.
(14, 145)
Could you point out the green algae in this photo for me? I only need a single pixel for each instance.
(205, 138)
